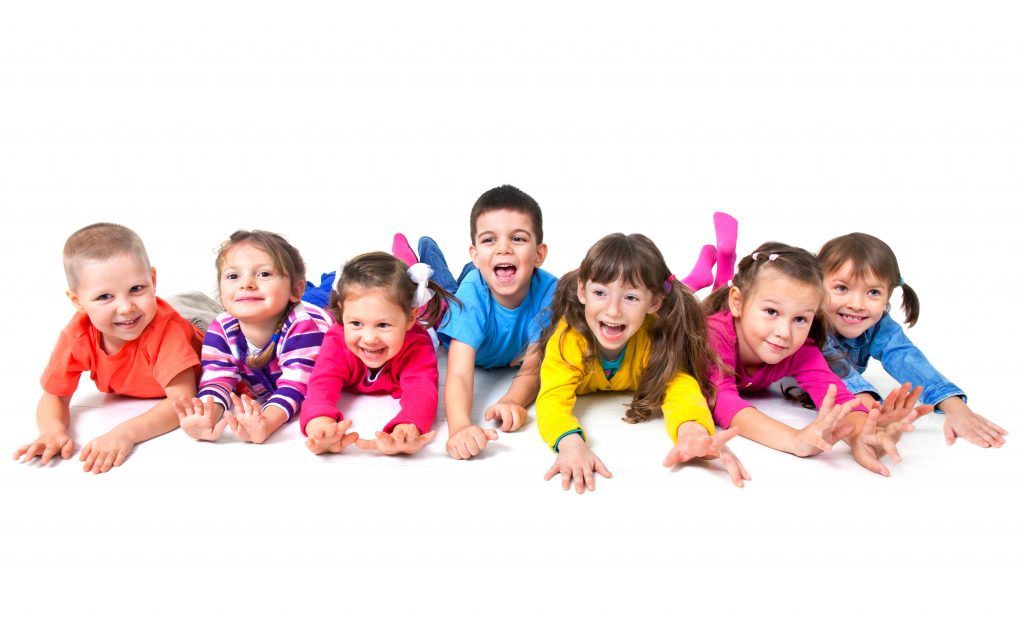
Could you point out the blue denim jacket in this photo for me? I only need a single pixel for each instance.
(885, 341)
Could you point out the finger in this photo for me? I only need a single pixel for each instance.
(236, 403)
(367, 444)
(672, 458)
(722, 437)
(551, 472)
(250, 405)
(914, 396)
(347, 440)
(218, 428)
(121, 456)
(874, 465)
(830, 398)
(479, 441)
(974, 436)
(996, 427)
(426, 438)
(48, 454)
(588, 478)
(601, 469)
(20, 452)
(507, 419)
(577, 475)
(491, 434)
(518, 418)
(732, 467)
(924, 410)
(947, 430)
(86, 452)
(463, 449)
(490, 413)
(890, 448)
(67, 449)
(566, 478)
(90, 461)
(108, 462)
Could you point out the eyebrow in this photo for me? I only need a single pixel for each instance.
(515, 231)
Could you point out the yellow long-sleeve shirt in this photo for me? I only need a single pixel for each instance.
(563, 377)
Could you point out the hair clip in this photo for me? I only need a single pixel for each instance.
(668, 283)
(902, 282)
(771, 257)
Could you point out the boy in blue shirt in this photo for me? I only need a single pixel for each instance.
(504, 308)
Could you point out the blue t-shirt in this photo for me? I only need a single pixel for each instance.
(499, 335)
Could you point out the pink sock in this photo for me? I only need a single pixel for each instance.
(726, 230)
(701, 277)
(400, 248)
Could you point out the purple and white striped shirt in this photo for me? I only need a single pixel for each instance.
(282, 381)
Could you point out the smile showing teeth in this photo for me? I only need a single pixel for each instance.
(128, 323)
(852, 319)
(504, 271)
(373, 352)
(612, 331)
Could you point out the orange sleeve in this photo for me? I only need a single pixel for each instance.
(62, 372)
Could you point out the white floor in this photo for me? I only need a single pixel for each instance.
(338, 127)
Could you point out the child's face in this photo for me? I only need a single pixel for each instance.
(375, 325)
(854, 305)
(119, 297)
(252, 290)
(614, 312)
(774, 321)
(506, 252)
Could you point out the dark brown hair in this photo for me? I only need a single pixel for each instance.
(679, 335)
(287, 262)
(870, 256)
(382, 270)
(507, 197)
(790, 261)
(99, 242)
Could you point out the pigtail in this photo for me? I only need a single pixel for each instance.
(717, 301)
(433, 311)
(911, 304)
(269, 351)
(679, 343)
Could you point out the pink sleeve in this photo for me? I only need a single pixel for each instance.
(417, 377)
(727, 397)
(812, 373)
(333, 369)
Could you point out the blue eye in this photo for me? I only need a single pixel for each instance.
(137, 288)
(771, 311)
(840, 288)
(104, 297)
(874, 293)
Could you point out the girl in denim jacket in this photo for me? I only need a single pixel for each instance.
(861, 273)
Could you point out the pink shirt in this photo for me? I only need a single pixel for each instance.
(807, 366)
(410, 376)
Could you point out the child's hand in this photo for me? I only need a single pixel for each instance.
(828, 428)
(106, 451)
(47, 446)
(469, 442)
(247, 420)
(327, 435)
(898, 404)
(963, 422)
(404, 439)
(198, 418)
(694, 442)
(512, 416)
(872, 442)
(576, 462)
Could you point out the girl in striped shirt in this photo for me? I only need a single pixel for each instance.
(259, 354)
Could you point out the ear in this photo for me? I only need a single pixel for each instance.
(735, 301)
(297, 290)
(542, 254)
(413, 314)
(656, 303)
(152, 274)
(472, 253)
(75, 300)
(581, 292)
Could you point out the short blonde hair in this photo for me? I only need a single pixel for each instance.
(99, 242)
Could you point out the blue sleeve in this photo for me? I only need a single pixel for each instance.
(905, 363)
(466, 323)
(840, 363)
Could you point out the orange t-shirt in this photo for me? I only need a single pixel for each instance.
(141, 368)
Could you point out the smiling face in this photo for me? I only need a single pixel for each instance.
(854, 304)
(253, 290)
(506, 252)
(614, 312)
(375, 325)
(119, 297)
(774, 321)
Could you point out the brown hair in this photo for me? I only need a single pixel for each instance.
(790, 261)
(287, 261)
(99, 242)
(870, 256)
(507, 197)
(382, 270)
(679, 334)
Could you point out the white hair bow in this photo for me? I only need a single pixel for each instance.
(420, 274)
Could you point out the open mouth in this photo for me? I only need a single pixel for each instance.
(612, 332)
(850, 319)
(373, 354)
(504, 271)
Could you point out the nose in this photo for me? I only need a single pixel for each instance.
(782, 331)
(370, 335)
(854, 301)
(126, 306)
(613, 309)
(248, 281)
(504, 245)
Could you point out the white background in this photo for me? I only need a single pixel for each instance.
(339, 125)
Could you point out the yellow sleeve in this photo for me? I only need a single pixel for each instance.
(561, 373)
(684, 402)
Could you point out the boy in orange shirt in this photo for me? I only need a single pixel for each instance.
(131, 342)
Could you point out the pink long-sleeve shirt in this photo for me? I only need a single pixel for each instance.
(410, 376)
(807, 366)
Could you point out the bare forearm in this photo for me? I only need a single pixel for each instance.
(526, 384)
(757, 426)
(458, 400)
(53, 414)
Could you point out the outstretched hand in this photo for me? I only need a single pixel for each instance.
(899, 402)
(198, 418)
(403, 439)
(512, 416)
(872, 442)
(697, 444)
(247, 420)
(576, 463)
(324, 434)
(47, 446)
(827, 428)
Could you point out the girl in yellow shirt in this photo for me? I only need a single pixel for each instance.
(622, 322)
